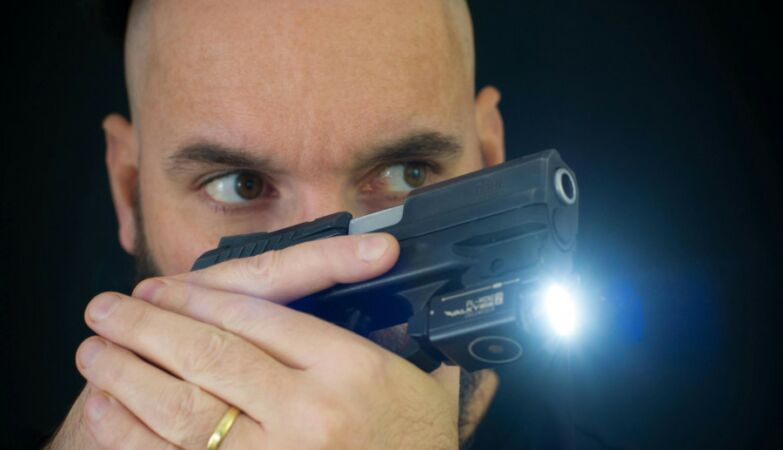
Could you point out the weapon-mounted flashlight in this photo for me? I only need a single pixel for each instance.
(475, 254)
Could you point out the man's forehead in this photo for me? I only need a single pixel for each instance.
(435, 28)
(297, 64)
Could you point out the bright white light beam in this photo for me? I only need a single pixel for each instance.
(561, 310)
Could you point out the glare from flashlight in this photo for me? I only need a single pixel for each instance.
(560, 310)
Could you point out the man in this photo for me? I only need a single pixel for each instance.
(254, 115)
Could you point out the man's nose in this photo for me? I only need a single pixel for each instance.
(318, 202)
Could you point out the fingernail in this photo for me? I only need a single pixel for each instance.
(147, 289)
(97, 407)
(102, 306)
(90, 350)
(372, 247)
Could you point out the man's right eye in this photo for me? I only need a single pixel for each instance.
(236, 187)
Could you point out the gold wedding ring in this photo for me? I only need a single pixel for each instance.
(221, 430)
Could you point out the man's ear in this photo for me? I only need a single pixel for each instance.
(122, 162)
(489, 124)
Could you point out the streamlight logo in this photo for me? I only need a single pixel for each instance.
(481, 305)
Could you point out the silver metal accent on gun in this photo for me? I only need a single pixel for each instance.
(376, 221)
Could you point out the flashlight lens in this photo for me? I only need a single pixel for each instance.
(560, 310)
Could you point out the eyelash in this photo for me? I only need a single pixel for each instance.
(432, 167)
(225, 208)
(203, 181)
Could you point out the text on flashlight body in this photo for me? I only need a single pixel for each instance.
(480, 305)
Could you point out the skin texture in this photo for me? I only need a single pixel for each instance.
(311, 89)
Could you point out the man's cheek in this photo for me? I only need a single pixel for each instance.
(175, 245)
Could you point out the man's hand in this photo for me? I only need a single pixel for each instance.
(175, 355)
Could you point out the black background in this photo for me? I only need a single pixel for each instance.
(669, 112)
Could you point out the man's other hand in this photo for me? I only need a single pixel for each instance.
(172, 358)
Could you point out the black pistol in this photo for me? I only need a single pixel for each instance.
(479, 256)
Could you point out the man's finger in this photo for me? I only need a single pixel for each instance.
(285, 275)
(113, 426)
(149, 399)
(222, 363)
(172, 408)
(261, 322)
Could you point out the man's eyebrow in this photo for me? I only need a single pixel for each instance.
(207, 153)
(422, 145)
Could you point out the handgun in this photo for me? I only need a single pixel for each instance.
(479, 254)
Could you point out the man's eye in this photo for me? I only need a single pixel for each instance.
(237, 187)
(405, 177)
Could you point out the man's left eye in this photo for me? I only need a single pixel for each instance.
(405, 177)
(238, 187)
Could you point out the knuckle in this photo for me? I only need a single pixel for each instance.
(368, 362)
(179, 408)
(113, 435)
(241, 317)
(265, 266)
(372, 359)
(136, 317)
(329, 251)
(212, 347)
(236, 315)
(328, 247)
(114, 369)
(109, 368)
